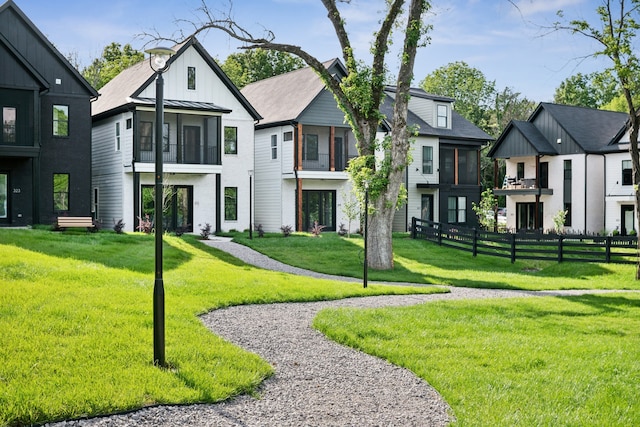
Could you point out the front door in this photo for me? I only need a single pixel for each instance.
(526, 216)
(177, 212)
(4, 198)
(426, 210)
(626, 216)
(319, 206)
(192, 144)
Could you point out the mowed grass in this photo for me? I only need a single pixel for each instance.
(76, 327)
(418, 261)
(549, 361)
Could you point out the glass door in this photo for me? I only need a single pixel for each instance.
(4, 197)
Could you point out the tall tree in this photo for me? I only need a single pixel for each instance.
(258, 64)
(616, 34)
(360, 95)
(592, 90)
(114, 59)
(468, 86)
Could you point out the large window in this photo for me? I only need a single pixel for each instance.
(467, 167)
(60, 192)
(8, 125)
(274, 147)
(520, 171)
(319, 206)
(230, 140)
(427, 160)
(456, 209)
(61, 120)
(443, 116)
(447, 165)
(146, 136)
(177, 209)
(191, 78)
(627, 178)
(231, 203)
(310, 147)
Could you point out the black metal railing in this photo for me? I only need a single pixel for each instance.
(183, 154)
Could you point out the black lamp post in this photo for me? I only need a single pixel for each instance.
(158, 60)
(250, 204)
(366, 231)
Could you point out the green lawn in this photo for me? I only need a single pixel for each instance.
(76, 322)
(571, 361)
(419, 261)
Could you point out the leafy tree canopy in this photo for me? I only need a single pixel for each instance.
(592, 90)
(114, 59)
(257, 64)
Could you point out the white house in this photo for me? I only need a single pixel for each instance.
(566, 158)
(207, 143)
(303, 146)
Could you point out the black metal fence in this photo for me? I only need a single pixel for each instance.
(537, 246)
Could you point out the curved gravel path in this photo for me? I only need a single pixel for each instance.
(317, 382)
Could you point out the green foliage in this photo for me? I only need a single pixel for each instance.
(113, 61)
(594, 90)
(558, 221)
(473, 94)
(485, 210)
(76, 322)
(542, 361)
(258, 64)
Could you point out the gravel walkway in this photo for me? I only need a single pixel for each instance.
(317, 382)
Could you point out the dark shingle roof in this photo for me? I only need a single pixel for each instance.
(534, 137)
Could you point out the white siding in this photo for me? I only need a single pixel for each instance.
(269, 200)
(616, 194)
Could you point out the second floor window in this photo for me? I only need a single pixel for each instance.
(427, 160)
(117, 136)
(443, 116)
(627, 178)
(230, 140)
(191, 78)
(274, 147)
(310, 147)
(60, 120)
(60, 192)
(8, 125)
(520, 171)
(146, 136)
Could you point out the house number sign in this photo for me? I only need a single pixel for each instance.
(17, 191)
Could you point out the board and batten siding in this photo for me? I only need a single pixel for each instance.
(268, 175)
(616, 194)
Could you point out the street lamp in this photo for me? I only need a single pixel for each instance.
(250, 171)
(158, 60)
(366, 231)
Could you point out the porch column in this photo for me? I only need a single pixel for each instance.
(299, 204)
(495, 173)
(332, 148)
(299, 150)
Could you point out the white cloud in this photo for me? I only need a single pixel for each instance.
(532, 7)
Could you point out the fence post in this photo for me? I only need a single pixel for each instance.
(560, 239)
(475, 242)
(608, 249)
(513, 248)
(439, 228)
(413, 227)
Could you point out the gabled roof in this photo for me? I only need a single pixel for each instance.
(123, 91)
(285, 97)
(591, 129)
(28, 62)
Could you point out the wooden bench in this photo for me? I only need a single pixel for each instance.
(75, 222)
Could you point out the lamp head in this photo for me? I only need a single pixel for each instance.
(159, 56)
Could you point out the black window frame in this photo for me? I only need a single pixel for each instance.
(231, 143)
(439, 116)
(58, 122)
(146, 140)
(427, 159)
(191, 78)
(230, 203)
(61, 205)
(8, 127)
(627, 175)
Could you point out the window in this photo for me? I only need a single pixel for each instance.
(191, 78)
(310, 147)
(96, 213)
(626, 173)
(230, 140)
(457, 210)
(61, 120)
(567, 219)
(287, 136)
(468, 167)
(544, 175)
(319, 206)
(274, 147)
(427, 160)
(8, 125)
(231, 203)
(146, 136)
(520, 171)
(567, 191)
(443, 116)
(129, 124)
(165, 137)
(117, 136)
(61, 192)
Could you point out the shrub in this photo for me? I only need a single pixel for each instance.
(316, 229)
(260, 230)
(205, 231)
(118, 227)
(286, 230)
(342, 231)
(145, 225)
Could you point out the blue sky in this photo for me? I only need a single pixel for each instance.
(504, 42)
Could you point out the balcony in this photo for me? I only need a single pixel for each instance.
(524, 186)
(191, 154)
(322, 163)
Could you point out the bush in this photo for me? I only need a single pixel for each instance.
(145, 225)
(316, 229)
(260, 230)
(286, 230)
(205, 231)
(118, 227)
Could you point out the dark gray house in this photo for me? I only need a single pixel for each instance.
(45, 145)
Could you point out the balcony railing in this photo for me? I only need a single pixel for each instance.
(184, 154)
(322, 163)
